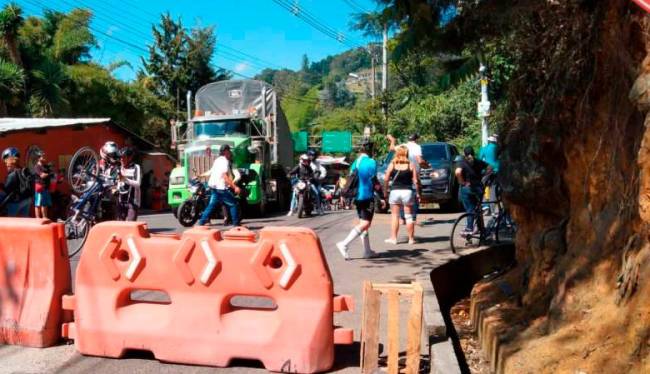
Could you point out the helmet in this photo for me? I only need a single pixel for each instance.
(224, 148)
(312, 153)
(413, 137)
(127, 152)
(110, 152)
(10, 152)
(304, 157)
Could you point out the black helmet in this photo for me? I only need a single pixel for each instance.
(10, 152)
(468, 151)
(127, 152)
(413, 137)
(223, 149)
(312, 153)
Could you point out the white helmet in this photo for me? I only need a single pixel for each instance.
(304, 157)
(110, 152)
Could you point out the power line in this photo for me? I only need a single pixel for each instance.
(355, 6)
(258, 61)
(135, 47)
(304, 15)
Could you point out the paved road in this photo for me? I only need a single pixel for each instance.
(400, 263)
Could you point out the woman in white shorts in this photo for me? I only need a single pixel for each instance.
(401, 175)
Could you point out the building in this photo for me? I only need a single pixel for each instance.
(60, 138)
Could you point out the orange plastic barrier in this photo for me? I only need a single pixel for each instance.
(206, 278)
(34, 275)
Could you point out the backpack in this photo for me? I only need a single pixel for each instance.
(27, 181)
(352, 184)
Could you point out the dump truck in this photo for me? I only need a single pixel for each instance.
(246, 115)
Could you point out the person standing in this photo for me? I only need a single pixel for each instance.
(403, 175)
(319, 174)
(366, 169)
(469, 174)
(43, 179)
(128, 199)
(415, 156)
(489, 154)
(18, 185)
(219, 181)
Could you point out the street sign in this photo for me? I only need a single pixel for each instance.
(300, 141)
(337, 141)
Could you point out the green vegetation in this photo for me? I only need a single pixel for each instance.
(46, 70)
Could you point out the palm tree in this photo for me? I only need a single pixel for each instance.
(10, 20)
(47, 97)
(12, 79)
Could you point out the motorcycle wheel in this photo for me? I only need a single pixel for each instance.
(301, 206)
(76, 233)
(188, 214)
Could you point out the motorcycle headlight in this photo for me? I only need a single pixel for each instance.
(301, 185)
(193, 189)
(439, 173)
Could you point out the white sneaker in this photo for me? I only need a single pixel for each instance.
(290, 213)
(343, 249)
(390, 241)
(370, 254)
(413, 241)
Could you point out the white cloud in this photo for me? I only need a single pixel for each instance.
(241, 67)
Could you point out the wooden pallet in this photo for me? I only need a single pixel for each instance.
(372, 293)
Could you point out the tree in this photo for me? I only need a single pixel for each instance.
(179, 61)
(10, 21)
(72, 40)
(12, 79)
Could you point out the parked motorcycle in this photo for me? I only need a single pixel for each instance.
(87, 207)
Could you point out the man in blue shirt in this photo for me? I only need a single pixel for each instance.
(366, 169)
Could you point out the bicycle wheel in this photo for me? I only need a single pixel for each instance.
(85, 161)
(460, 239)
(76, 233)
(506, 229)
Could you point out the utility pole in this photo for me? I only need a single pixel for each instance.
(384, 76)
(374, 74)
(484, 105)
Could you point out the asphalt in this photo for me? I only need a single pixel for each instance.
(395, 263)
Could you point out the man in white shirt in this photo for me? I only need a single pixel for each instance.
(219, 184)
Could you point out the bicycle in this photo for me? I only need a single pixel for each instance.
(498, 229)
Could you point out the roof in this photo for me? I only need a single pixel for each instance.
(16, 124)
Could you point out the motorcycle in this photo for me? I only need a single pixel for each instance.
(306, 202)
(190, 210)
(92, 188)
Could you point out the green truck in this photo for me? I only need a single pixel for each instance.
(246, 115)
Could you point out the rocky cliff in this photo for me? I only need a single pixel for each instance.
(576, 158)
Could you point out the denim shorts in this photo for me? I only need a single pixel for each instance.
(401, 197)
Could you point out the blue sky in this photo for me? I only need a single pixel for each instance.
(260, 28)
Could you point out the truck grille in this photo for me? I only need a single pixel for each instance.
(200, 163)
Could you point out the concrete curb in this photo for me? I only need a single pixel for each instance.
(442, 357)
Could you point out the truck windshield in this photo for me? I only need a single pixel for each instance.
(434, 152)
(220, 128)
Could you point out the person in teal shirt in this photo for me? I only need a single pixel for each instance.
(489, 153)
(366, 169)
